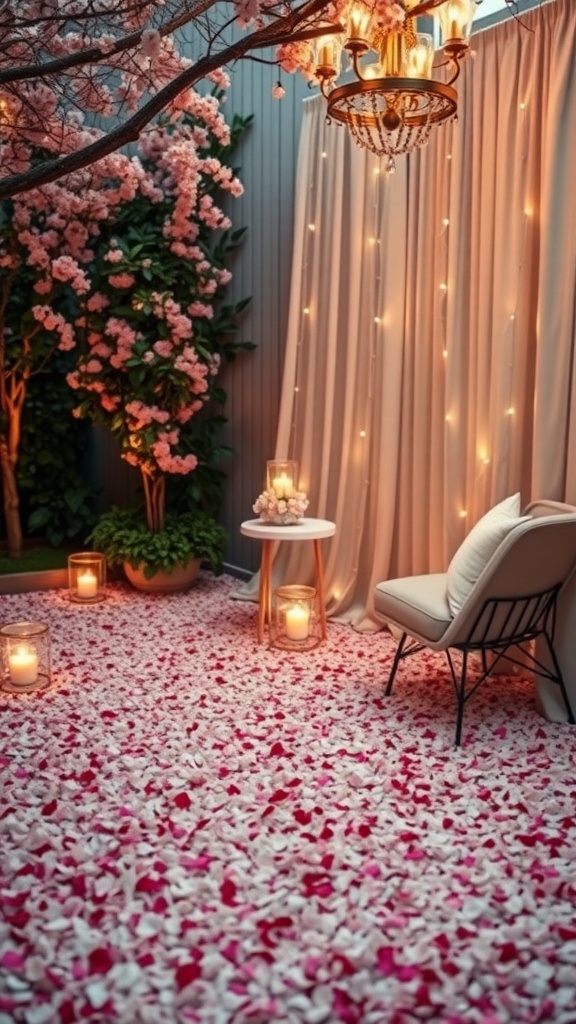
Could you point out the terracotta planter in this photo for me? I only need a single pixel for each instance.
(180, 578)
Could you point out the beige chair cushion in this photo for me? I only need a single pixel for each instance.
(478, 547)
(418, 604)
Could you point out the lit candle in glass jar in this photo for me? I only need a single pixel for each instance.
(87, 584)
(23, 665)
(297, 622)
(283, 486)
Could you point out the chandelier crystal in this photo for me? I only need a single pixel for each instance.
(391, 105)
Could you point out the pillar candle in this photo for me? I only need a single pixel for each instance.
(297, 622)
(283, 486)
(23, 665)
(87, 584)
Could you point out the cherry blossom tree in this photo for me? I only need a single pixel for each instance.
(82, 78)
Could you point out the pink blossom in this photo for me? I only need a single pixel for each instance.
(64, 268)
(110, 402)
(124, 280)
(67, 339)
(163, 348)
(43, 286)
(201, 309)
(96, 302)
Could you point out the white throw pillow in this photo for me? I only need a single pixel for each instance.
(478, 547)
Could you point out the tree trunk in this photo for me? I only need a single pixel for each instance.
(11, 501)
(11, 405)
(155, 495)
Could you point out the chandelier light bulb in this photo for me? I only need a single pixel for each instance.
(455, 17)
(419, 58)
(328, 51)
(357, 26)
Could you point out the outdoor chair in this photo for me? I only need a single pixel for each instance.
(498, 597)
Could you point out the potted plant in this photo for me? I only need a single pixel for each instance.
(155, 332)
(165, 560)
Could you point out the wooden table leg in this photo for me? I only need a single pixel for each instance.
(264, 589)
(320, 587)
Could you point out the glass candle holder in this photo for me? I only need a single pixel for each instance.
(282, 477)
(295, 624)
(25, 652)
(86, 577)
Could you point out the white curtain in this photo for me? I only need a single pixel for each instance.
(429, 364)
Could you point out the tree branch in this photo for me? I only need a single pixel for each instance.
(95, 55)
(273, 34)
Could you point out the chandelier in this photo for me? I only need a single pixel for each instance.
(390, 105)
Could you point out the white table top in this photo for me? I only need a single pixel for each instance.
(305, 529)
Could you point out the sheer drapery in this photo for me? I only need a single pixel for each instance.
(429, 364)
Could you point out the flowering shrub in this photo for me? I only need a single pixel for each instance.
(273, 509)
(153, 326)
(125, 263)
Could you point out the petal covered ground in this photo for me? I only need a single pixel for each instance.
(194, 828)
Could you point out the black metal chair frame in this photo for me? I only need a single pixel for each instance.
(501, 624)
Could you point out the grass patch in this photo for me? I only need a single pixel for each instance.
(34, 559)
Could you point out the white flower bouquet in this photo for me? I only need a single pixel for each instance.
(285, 511)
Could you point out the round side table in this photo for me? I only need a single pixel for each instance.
(307, 529)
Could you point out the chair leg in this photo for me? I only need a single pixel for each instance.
(461, 697)
(395, 664)
(559, 678)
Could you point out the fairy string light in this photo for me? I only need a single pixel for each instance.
(510, 339)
